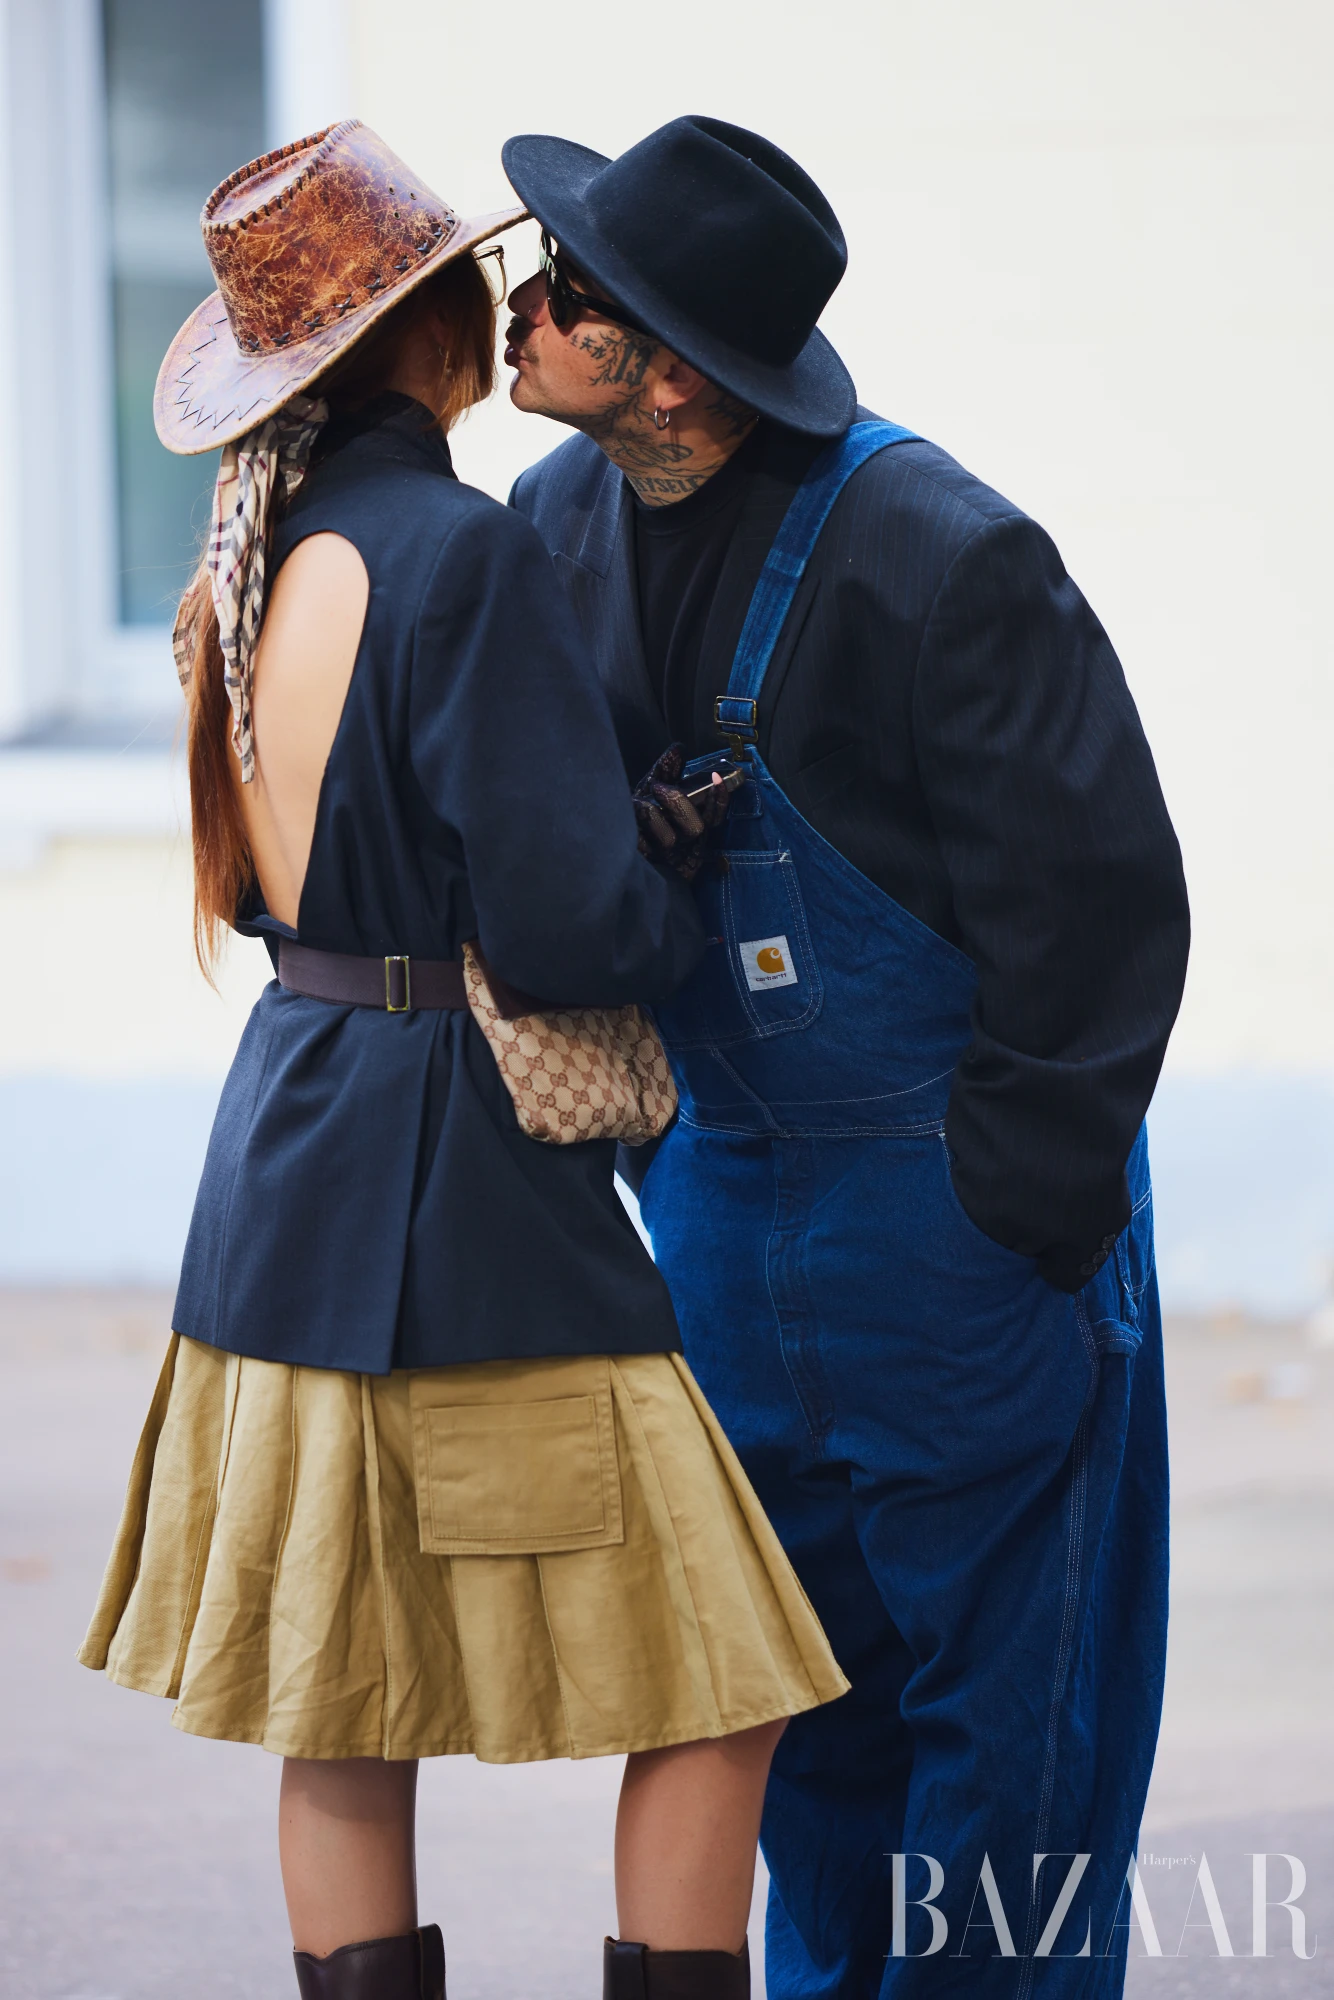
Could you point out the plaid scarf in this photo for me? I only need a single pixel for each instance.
(279, 448)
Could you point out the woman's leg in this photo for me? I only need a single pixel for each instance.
(686, 1833)
(346, 1839)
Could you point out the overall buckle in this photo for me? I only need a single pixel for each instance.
(398, 979)
(736, 717)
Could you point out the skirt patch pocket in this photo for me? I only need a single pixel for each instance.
(508, 1475)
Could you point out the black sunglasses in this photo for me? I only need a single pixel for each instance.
(565, 304)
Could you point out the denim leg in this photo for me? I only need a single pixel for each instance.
(1032, 1709)
(729, 1221)
(968, 1472)
(838, 1789)
(1033, 1603)
(837, 1793)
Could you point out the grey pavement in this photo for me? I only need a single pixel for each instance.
(138, 1863)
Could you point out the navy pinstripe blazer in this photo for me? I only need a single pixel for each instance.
(947, 711)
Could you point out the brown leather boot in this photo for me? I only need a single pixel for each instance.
(411, 1967)
(633, 1972)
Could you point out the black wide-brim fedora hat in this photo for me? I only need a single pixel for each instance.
(721, 246)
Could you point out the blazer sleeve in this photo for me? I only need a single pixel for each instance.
(512, 743)
(1068, 890)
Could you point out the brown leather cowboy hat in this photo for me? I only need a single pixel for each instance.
(310, 246)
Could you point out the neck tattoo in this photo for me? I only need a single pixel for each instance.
(660, 465)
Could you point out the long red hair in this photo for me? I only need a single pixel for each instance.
(224, 869)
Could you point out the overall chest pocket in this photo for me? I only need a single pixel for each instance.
(759, 976)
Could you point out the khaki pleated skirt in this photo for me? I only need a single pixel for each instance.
(519, 1559)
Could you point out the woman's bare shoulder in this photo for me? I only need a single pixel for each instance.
(320, 593)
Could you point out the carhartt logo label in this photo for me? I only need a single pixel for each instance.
(767, 962)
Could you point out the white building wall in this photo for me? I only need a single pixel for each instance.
(1088, 257)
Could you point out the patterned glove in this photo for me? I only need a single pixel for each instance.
(672, 830)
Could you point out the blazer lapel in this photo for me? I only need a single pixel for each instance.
(599, 573)
(594, 544)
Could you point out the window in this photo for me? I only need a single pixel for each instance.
(117, 119)
(184, 86)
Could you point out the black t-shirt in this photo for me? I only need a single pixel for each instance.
(680, 552)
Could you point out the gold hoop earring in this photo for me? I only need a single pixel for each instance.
(661, 419)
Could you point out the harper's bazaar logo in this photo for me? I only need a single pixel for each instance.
(1057, 1922)
(767, 962)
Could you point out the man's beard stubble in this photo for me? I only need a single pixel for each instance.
(517, 336)
(534, 403)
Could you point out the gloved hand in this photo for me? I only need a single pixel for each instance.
(672, 830)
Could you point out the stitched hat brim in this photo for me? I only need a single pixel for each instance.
(813, 393)
(208, 392)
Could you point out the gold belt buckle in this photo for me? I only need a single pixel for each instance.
(399, 958)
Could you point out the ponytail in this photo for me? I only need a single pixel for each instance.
(223, 864)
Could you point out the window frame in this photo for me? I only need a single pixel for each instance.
(70, 671)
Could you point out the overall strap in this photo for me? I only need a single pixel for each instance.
(736, 711)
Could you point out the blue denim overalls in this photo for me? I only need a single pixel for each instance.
(967, 1467)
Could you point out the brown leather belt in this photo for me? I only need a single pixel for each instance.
(396, 985)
